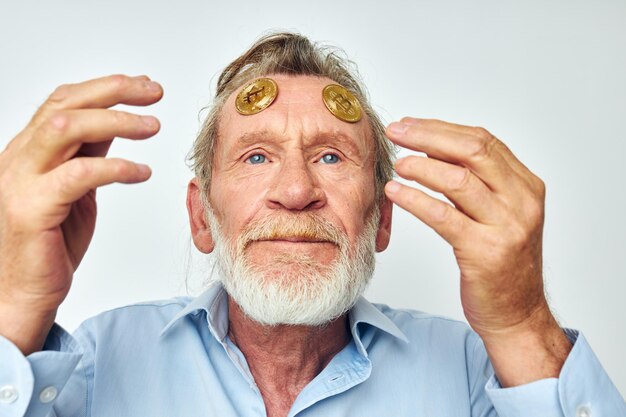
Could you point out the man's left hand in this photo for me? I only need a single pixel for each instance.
(495, 226)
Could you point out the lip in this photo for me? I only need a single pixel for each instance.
(296, 239)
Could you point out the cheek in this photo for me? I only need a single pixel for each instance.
(352, 205)
(238, 184)
(235, 203)
(355, 187)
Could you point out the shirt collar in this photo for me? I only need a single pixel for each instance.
(214, 301)
(365, 312)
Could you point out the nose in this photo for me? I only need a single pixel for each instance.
(295, 187)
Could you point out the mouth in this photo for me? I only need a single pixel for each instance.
(293, 243)
(296, 239)
(290, 249)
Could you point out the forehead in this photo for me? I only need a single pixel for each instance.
(297, 110)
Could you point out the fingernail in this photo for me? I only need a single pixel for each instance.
(410, 120)
(397, 128)
(150, 121)
(143, 169)
(392, 187)
(152, 86)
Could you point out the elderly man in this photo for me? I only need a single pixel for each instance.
(293, 193)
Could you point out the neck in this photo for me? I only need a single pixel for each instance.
(283, 359)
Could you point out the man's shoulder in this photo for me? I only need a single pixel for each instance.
(124, 327)
(416, 323)
(147, 314)
(142, 307)
(401, 315)
(429, 341)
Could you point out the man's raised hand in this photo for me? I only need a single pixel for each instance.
(48, 176)
(495, 226)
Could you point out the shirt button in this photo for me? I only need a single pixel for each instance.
(8, 394)
(48, 394)
(583, 411)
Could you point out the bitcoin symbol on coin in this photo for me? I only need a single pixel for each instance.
(341, 103)
(256, 96)
(344, 103)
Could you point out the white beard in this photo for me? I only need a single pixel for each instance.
(314, 295)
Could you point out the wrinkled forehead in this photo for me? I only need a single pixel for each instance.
(298, 103)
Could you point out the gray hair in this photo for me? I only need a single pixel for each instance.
(292, 54)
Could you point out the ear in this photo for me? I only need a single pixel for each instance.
(200, 230)
(384, 226)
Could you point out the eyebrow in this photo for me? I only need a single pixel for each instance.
(250, 138)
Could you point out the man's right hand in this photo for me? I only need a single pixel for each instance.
(48, 178)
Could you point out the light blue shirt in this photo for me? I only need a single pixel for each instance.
(174, 358)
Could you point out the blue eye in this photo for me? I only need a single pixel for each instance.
(257, 158)
(330, 158)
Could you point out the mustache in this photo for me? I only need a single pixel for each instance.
(307, 226)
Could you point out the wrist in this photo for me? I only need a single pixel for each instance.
(24, 327)
(531, 350)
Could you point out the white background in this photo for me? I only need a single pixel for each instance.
(548, 78)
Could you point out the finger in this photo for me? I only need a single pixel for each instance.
(106, 92)
(468, 193)
(479, 132)
(75, 178)
(444, 219)
(94, 149)
(481, 154)
(62, 135)
(102, 92)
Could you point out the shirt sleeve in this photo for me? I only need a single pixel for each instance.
(31, 385)
(583, 389)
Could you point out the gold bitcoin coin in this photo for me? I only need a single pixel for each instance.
(342, 103)
(256, 96)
